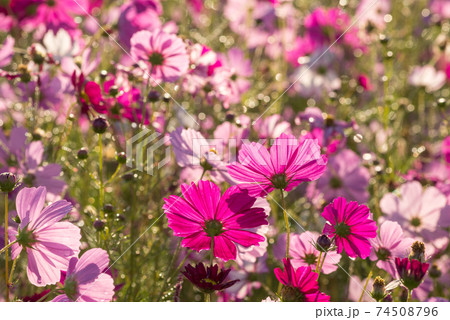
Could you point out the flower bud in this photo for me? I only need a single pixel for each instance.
(82, 154)
(166, 97)
(121, 158)
(100, 125)
(229, 117)
(383, 39)
(113, 91)
(417, 251)
(108, 208)
(323, 243)
(378, 291)
(99, 225)
(103, 74)
(153, 96)
(434, 272)
(441, 102)
(8, 182)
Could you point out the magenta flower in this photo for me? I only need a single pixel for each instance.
(205, 219)
(54, 15)
(299, 284)
(411, 272)
(163, 54)
(351, 226)
(389, 244)
(49, 243)
(85, 280)
(304, 253)
(286, 166)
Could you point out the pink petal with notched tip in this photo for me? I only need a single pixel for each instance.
(91, 265)
(29, 203)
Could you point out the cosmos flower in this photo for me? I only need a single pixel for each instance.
(208, 279)
(163, 54)
(419, 211)
(299, 284)
(271, 127)
(85, 280)
(53, 14)
(286, 165)
(411, 271)
(49, 243)
(303, 252)
(206, 220)
(346, 176)
(136, 16)
(26, 161)
(427, 77)
(389, 244)
(196, 154)
(351, 225)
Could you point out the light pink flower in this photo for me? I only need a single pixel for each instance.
(420, 212)
(163, 54)
(49, 243)
(86, 280)
(388, 245)
(346, 176)
(304, 253)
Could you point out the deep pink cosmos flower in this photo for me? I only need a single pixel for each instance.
(52, 14)
(351, 226)
(85, 280)
(163, 54)
(204, 218)
(49, 244)
(391, 243)
(299, 284)
(286, 165)
(411, 271)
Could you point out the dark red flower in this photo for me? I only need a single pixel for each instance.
(411, 271)
(208, 279)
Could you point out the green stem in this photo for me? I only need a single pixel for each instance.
(211, 253)
(207, 297)
(100, 169)
(6, 247)
(114, 174)
(367, 281)
(12, 269)
(321, 264)
(286, 221)
(409, 295)
(318, 262)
